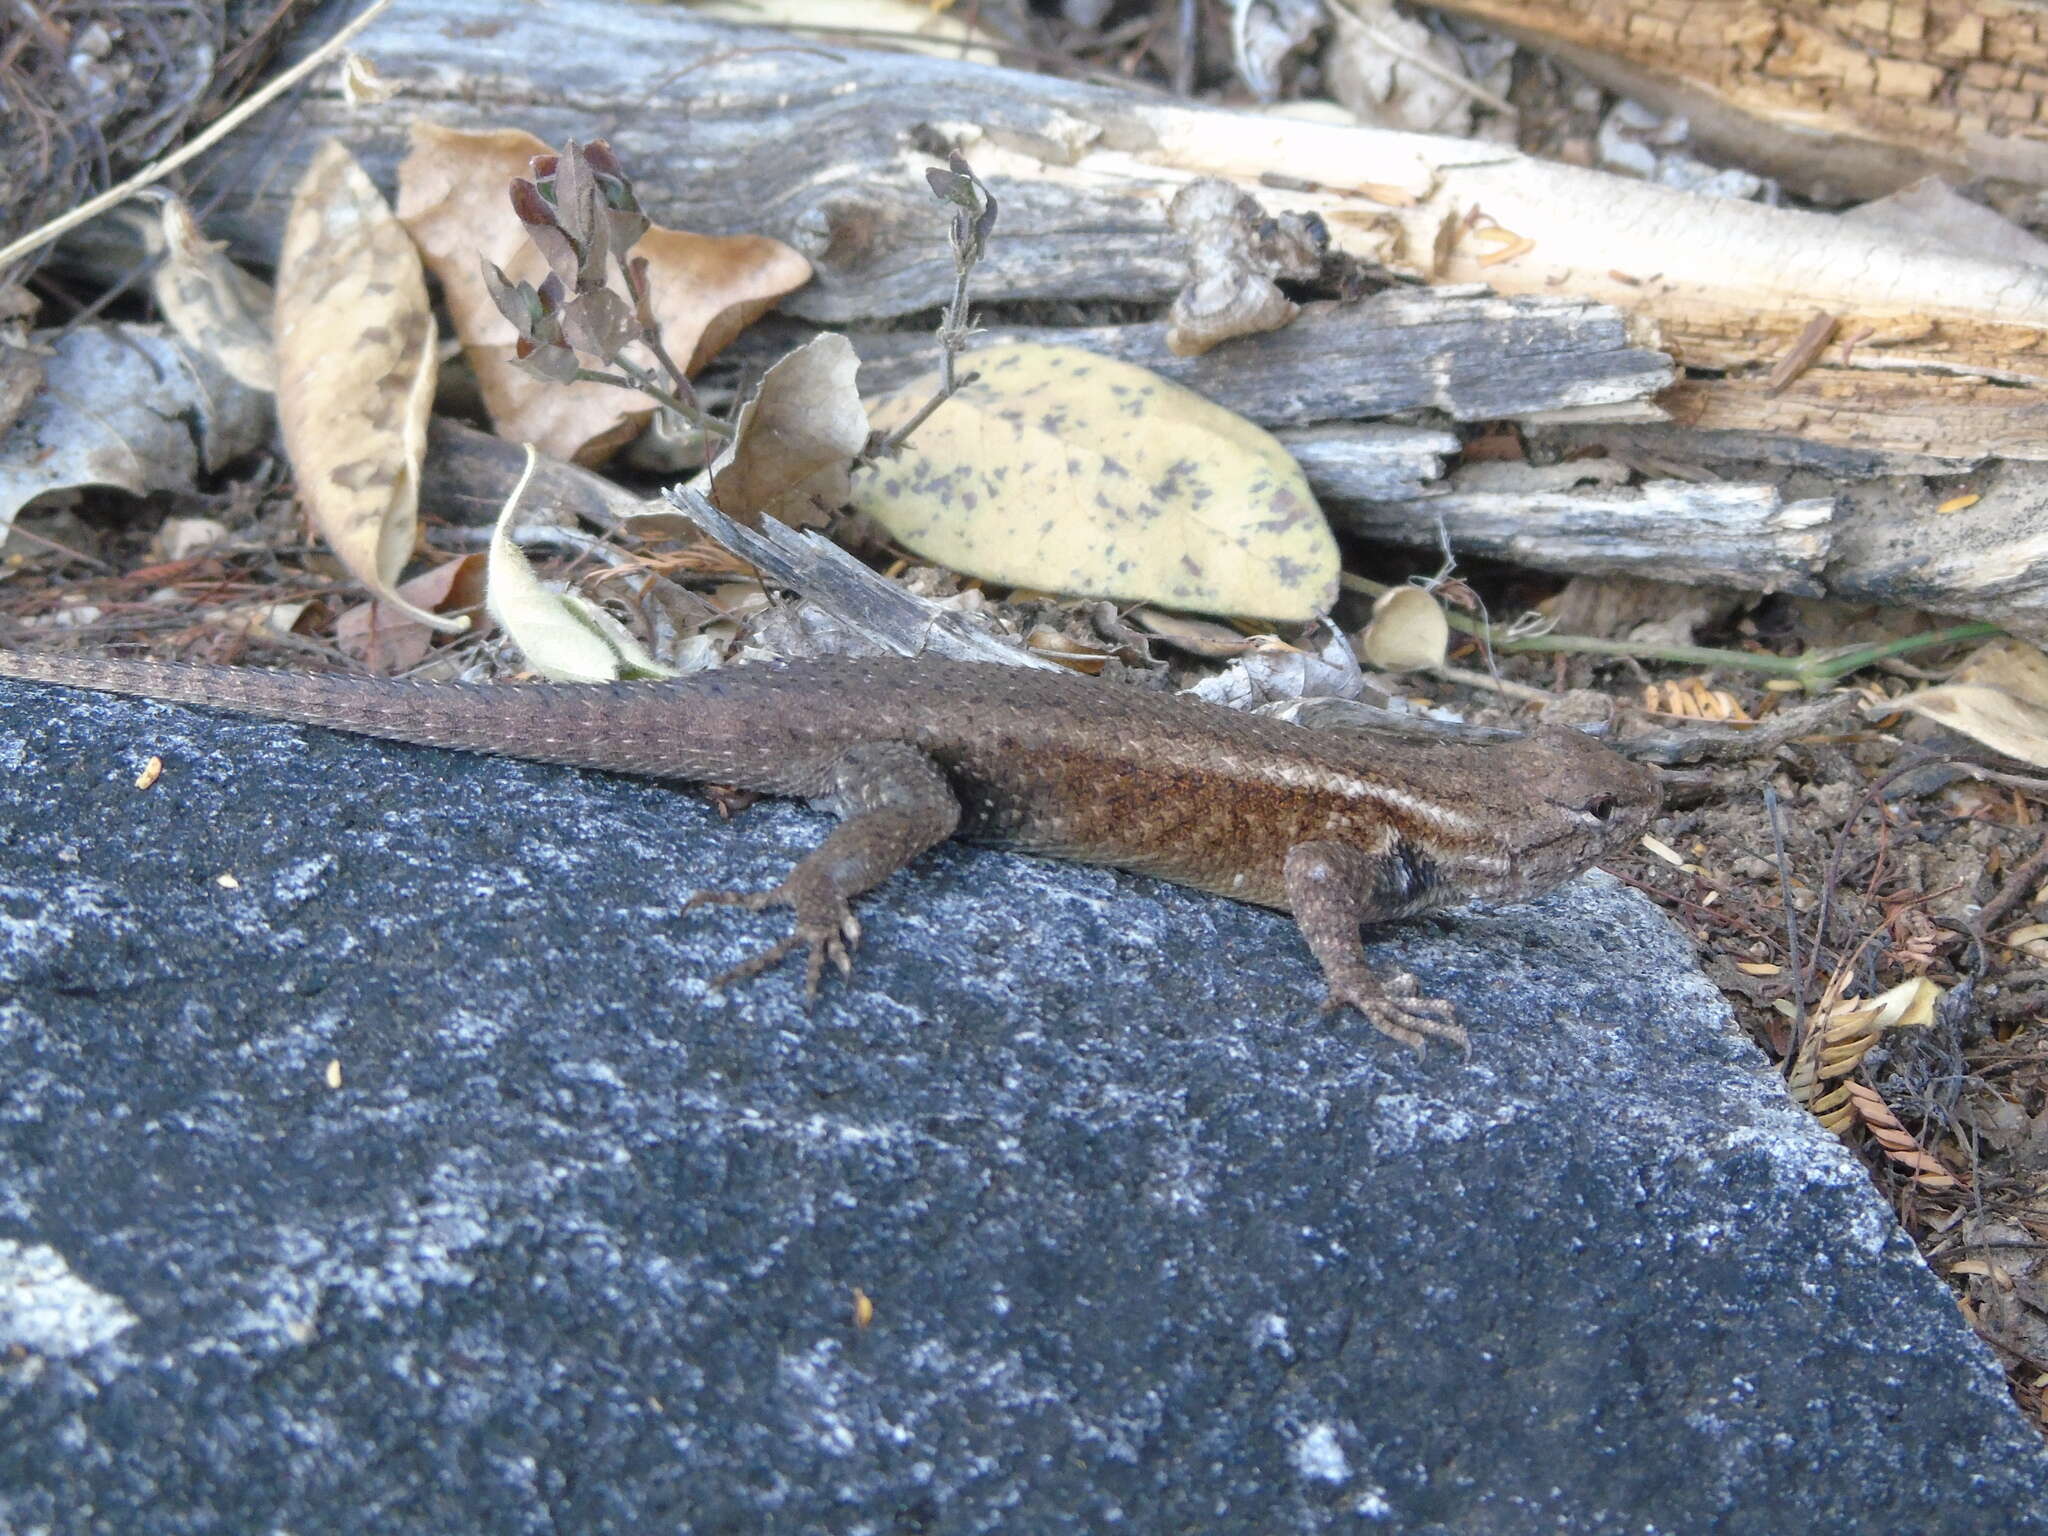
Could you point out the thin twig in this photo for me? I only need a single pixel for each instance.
(645, 383)
(1775, 812)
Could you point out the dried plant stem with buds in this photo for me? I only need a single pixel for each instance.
(974, 220)
(580, 212)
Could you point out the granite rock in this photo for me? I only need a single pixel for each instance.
(374, 1156)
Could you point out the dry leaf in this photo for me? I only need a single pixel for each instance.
(1999, 696)
(390, 639)
(561, 635)
(127, 406)
(794, 441)
(1061, 470)
(1392, 71)
(1198, 637)
(355, 371)
(361, 83)
(453, 194)
(1274, 672)
(1408, 631)
(217, 307)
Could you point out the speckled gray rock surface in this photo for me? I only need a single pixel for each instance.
(574, 1244)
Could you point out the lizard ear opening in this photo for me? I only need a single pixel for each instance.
(1600, 807)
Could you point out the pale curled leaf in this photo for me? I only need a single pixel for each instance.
(355, 367)
(562, 636)
(795, 439)
(1408, 631)
(452, 195)
(1063, 471)
(361, 83)
(1999, 696)
(212, 303)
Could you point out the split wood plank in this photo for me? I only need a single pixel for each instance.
(1840, 101)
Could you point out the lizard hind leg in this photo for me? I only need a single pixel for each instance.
(893, 803)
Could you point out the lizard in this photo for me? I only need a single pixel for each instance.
(1339, 828)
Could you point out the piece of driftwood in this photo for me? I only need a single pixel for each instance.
(1369, 461)
(1664, 448)
(1838, 100)
(1746, 537)
(1473, 355)
(1986, 560)
(825, 147)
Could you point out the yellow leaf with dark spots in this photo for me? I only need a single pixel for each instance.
(1065, 471)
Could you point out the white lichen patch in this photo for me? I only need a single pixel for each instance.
(1072, 473)
(1319, 1456)
(47, 1309)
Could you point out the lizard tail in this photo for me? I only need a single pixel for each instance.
(557, 722)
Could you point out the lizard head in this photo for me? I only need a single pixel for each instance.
(1565, 803)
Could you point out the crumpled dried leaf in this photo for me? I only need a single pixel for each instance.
(128, 406)
(355, 371)
(794, 441)
(1392, 71)
(1408, 631)
(453, 195)
(216, 306)
(1273, 673)
(1234, 253)
(1068, 472)
(1999, 696)
(561, 635)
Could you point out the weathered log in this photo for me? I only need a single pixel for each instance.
(1746, 537)
(1369, 461)
(1471, 354)
(730, 130)
(1986, 560)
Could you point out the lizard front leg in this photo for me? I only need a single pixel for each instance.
(1333, 889)
(894, 803)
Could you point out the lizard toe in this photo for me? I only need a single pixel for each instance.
(754, 965)
(753, 901)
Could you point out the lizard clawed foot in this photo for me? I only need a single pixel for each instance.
(1394, 1006)
(824, 921)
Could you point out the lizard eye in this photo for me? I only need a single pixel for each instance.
(1600, 807)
